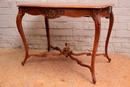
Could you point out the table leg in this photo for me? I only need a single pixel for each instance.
(111, 20)
(20, 29)
(47, 32)
(97, 21)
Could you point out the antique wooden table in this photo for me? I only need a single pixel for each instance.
(55, 10)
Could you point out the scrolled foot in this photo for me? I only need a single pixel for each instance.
(23, 63)
(94, 80)
(109, 60)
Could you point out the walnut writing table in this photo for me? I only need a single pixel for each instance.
(55, 10)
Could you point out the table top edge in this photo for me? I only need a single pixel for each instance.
(68, 5)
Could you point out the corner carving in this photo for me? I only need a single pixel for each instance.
(52, 13)
(95, 12)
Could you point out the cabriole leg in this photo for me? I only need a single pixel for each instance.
(111, 20)
(20, 29)
(48, 33)
(97, 21)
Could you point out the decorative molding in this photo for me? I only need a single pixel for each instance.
(52, 13)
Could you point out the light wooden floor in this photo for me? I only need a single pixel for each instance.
(61, 71)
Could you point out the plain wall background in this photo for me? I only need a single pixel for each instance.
(78, 32)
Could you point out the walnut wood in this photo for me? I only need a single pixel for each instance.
(83, 53)
(78, 61)
(20, 29)
(111, 20)
(96, 17)
(68, 5)
(48, 33)
(55, 10)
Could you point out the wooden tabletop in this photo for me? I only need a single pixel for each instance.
(68, 5)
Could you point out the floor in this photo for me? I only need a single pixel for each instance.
(61, 71)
